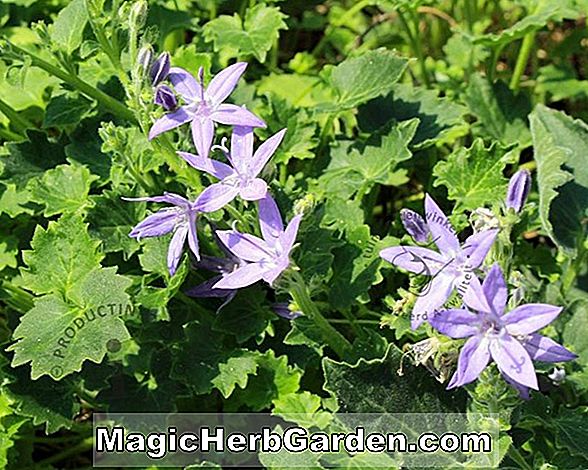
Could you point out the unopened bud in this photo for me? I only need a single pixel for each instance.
(138, 14)
(144, 57)
(287, 311)
(160, 68)
(165, 97)
(518, 190)
(414, 225)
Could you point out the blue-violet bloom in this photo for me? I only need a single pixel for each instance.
(518, 190)
(510, 339)
(266, 258)
(179, 219)
(414, 225)
(160, 69)
(450, 268)
(239, 178)
(204, 106)
(165, 97)
(282, 309)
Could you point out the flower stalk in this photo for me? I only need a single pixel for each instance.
(336, 341)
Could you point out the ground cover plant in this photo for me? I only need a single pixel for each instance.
(294, 207)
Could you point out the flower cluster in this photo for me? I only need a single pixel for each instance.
(249, 258)
(510, 339)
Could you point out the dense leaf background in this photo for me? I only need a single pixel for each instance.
(384, 101)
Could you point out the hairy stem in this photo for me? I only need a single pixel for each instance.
(522, 59)
(415, 44)
(336, 341)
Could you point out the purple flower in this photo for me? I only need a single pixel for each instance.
(179, 219)
(452, 268)
(203, 107)
(160, 69)
(510, 339)
(282, 309)
(518, 190)
(266, 258)
(165, 97)
(241, 178)
(414, 225)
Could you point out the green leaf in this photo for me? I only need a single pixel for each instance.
(44, 400)
(574, 332)
(302, 408)
(572, 430)
(63, 189)
(253, 36)
(58, 335)
(360, 79)
(561, 82)
(62, 254)
(69, 25)
(375, 387)
(561, 146)
(66, 109)
(501, 115)
(235, 371)
(545, 12)
(438, 117)
(473, 176)
(14, 201)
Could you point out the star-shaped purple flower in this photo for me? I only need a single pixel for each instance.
(450, 268)
(179, 219)
(204, 106)
(239, 178)
(510, 339)
(266, 258)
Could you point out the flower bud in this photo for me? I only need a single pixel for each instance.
(518, 190)
(415, 225)
(160, 69)
(286, 310)
(144, 57)
(165, 97)
(138, 14)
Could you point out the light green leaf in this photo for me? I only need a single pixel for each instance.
(13, 201)
(501, 115)
(57, 336)
(62, 254)
(235, 371)
(63, 189)
(561, 145)
(69, 25)
(360, 79)
(473, 176)
(66, 109)
(254, 36)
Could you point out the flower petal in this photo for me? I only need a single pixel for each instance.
(176, 247)
(224, 82)
(242, 277)
(495, 291)
(415, 259)
(288, 238)
(169, 121)
(241, 147)
(542, 348)
(212, 167)
(233, 115)
(476, 247)
(193, 234)
(270, 220)
(443, 233)
(471, 291)
(202, 135)
(215, 196)
(254, 190)
(512, 360)
(431, 297)
(272, 274)
(529, 318)
(264, 153)
(170, 198)
(206, 289)
(246, 247)
(523, 391)
(185, 84)
(455, 323)
(156, 225)
(473, 359)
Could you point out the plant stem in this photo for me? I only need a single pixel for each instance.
(415, 44)
(515, 455)
(107, 101)
(336, 341)
(20, 123)
(522, 59)
(83, 446)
